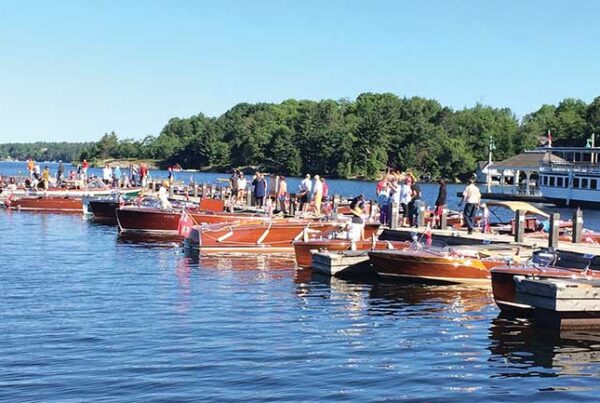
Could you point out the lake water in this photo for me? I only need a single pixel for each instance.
(87, 316)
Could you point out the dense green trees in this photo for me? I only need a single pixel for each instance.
(346, 138)
(43, 151)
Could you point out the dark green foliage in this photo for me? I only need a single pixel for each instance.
(345, 138)
(42, 151)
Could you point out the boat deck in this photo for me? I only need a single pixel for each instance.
(461, 237)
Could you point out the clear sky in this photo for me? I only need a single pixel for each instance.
(72, 70)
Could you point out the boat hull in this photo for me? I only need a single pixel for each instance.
(48, 204)
(153, 220)
(428, 266)
(266, 237)
(104, 211)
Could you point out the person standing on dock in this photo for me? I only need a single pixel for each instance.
(233, 185)
(60, 173)
(46, 177)
(30, 167)
(260, 189)
(241, 186)
(415, 203)
(84, 166)
(472, 199)
(305, 188)
(440, 203)
(318, 191)
(404, 199)
(282, 195)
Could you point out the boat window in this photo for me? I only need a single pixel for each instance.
(575, 182)
(584, 183)
(552, 181)
(593, 184)
(559, 182)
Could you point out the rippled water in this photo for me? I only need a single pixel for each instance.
(86, 316)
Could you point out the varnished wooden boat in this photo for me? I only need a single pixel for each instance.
(155, 220)
(49, 204)
(443, 265)
(302, 249)
(104, 211)
(266, 237)
(566, 265)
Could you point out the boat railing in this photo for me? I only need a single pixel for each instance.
(564, 167)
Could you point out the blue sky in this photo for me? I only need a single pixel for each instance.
(72, 70)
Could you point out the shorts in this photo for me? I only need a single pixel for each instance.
(304, 198)
(234, 192)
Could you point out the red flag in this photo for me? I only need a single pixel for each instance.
(549, 138)
(184, 227)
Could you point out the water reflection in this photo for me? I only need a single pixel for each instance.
(526, 350)
(396, 298)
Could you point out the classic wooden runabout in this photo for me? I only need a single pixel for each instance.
(446, 265)
(154, 220)
(50, 204)
(266, 237)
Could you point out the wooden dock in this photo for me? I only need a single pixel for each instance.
(561, 303)
(341, 262)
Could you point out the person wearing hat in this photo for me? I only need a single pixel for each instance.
(305, 188)
(472, 199)
(163, 196)
(357, 224)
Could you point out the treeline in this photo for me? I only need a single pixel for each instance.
(355, 138)
(42, 151)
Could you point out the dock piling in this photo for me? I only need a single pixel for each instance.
(554, 227)
(519, 226)
(577, 225)
(444, 219)
(421, 216)
(394, 215)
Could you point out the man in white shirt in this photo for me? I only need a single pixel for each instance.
(471, 198)
(305, 189)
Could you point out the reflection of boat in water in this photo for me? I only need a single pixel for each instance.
(245, 262)
(458, 298)
(470, 264)
(526, 348)
(383, 298)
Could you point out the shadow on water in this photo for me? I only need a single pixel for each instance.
(527, 350)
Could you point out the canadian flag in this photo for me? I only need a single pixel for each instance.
(428, 235)
(184, 227)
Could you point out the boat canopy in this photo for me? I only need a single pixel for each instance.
(518, 205)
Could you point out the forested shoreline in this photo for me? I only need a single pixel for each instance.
(347, 138)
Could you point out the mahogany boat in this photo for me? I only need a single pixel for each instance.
(302, 248)
(104, 211)
(275, 236)
(50, 204)
(544, 265)
(154, 220)
(460, 264)
(73, 189)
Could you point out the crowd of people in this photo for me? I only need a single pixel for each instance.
(111, 176)
(311, 193)
(403, 190)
